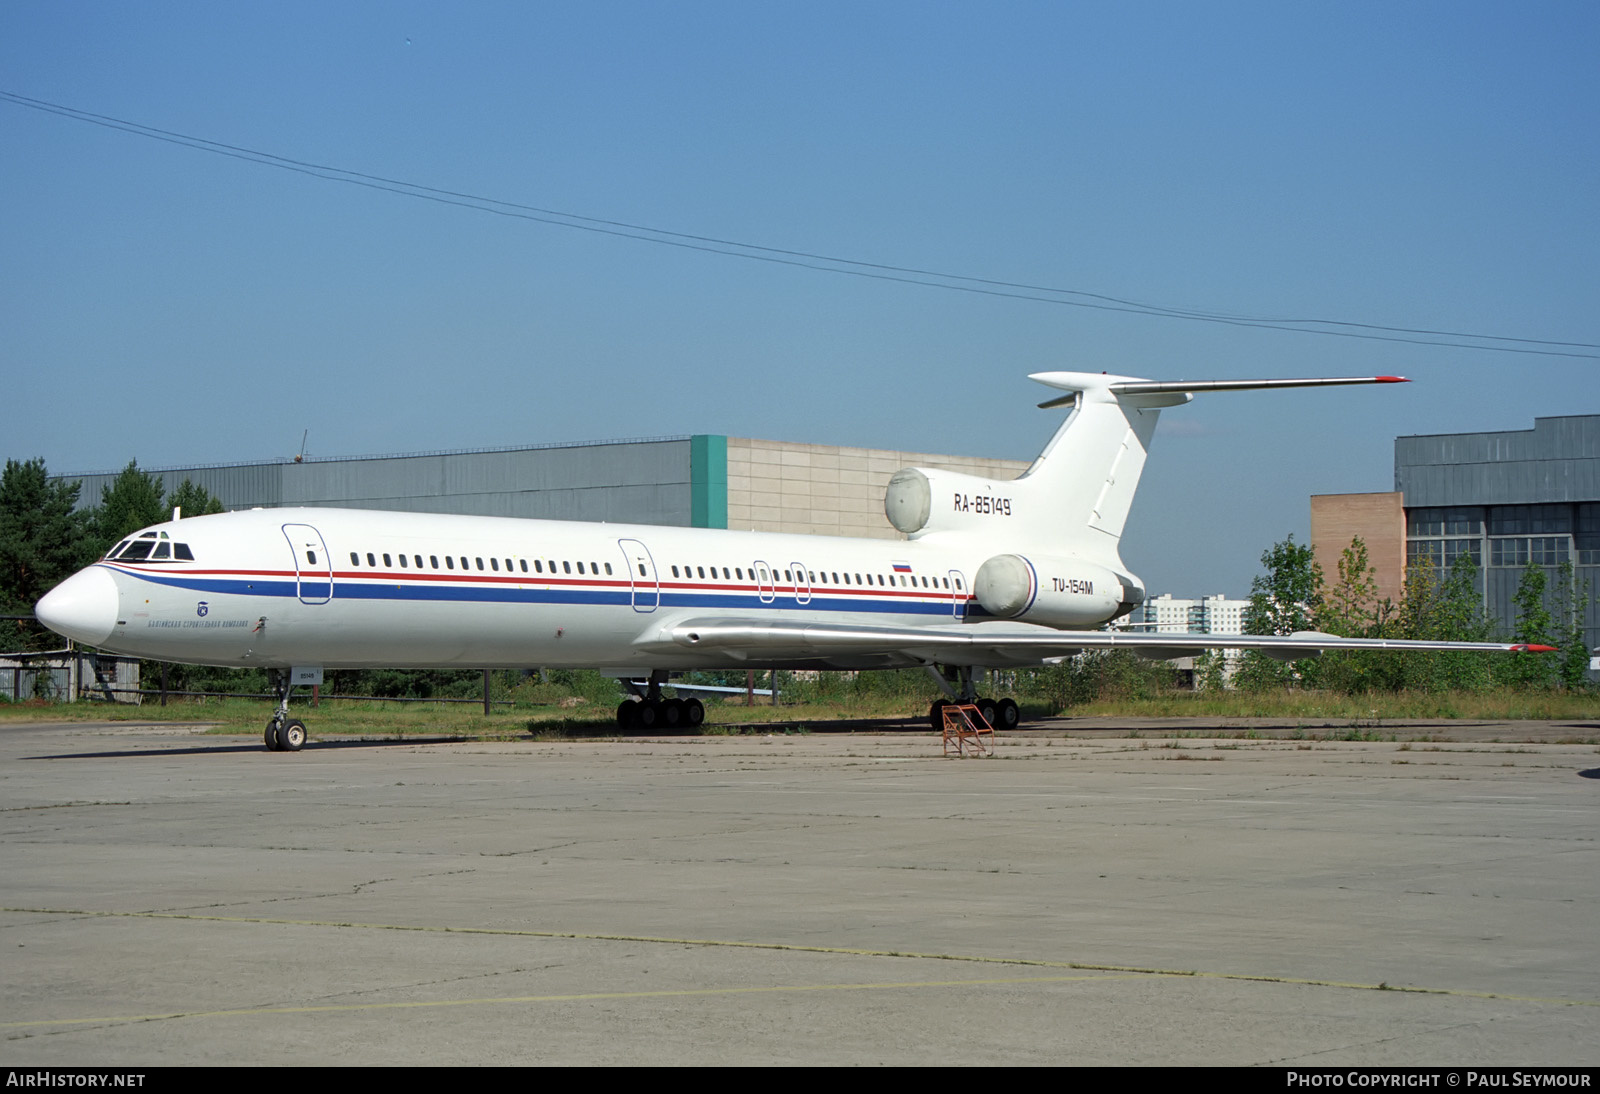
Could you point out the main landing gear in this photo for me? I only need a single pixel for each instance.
(1001, 714)
(650, 711)
(284, 734)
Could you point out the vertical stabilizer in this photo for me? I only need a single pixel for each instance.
(1075, 498)
(1082, 485)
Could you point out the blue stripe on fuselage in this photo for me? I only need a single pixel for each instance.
(506, 594)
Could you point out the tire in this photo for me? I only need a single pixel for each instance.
(273, 744)
(988, 708)
(694, 713)
(292, 737)
(627, 714)
(647, 716)
(936, 714)
(1006, 714)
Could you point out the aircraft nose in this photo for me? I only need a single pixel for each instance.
(83, 607)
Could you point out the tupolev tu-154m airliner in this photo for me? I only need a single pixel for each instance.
(994, 573)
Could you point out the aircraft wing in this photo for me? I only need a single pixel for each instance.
(1001, 644)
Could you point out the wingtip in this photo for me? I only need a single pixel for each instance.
(1393, 379)
(1528, 647)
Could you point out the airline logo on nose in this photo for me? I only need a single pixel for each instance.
(201, 609)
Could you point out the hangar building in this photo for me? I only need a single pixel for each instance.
(699, 481)
(1505, 500)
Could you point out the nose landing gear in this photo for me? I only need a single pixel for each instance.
(284, 734)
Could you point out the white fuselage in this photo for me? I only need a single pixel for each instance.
(346, 588)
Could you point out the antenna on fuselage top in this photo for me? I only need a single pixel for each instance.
(300, 457)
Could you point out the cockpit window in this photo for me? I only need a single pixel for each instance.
(148, 548)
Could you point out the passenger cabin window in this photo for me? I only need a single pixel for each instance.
(494, 564)
(449, 563)
(402, 562)
(434, 560)
(387, 561)
(566, 567)
(355, 560)
(371, 561)
(538, 566)
(524, 565)
(608, 568)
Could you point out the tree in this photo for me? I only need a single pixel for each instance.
(132, 501)
(193, 500)
(1535, 625)
(1350, 609)
(42, 542)
(1446, 608)
(1572, 598)
(1211, 671)
(1283, 600)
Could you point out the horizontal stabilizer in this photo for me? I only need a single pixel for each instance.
(1154, 387)
(1122, 385)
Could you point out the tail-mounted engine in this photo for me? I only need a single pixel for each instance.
(1054, 592)
(922, 500)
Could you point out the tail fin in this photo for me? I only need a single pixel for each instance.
(1076, 496)
(1086, 476)
(1082, 485)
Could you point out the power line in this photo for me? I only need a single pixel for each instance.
(877, 271)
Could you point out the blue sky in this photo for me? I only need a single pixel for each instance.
(1425, 165)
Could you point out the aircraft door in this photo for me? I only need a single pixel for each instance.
(641, 569)
(766, 587)
(313, 565)
(958, 594)
(802, 584)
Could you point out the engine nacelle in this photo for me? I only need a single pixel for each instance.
(921, 500)
(1054, 592)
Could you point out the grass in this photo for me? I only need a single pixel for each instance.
(1364, 708)
(1361, 714)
